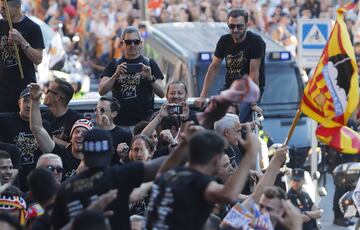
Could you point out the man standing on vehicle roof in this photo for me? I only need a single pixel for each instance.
(134, 88)
(244, 53)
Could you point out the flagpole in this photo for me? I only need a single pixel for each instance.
(8, 18)
(293, 125)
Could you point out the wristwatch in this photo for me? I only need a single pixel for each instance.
(27, 46)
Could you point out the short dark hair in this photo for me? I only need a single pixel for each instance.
(139, 127)
(38, 180)
(4, 155)
(147, 140)
(272, 192)
(90, 220)
(238, 12)
(114, 103)
(65, 89)
(169, 122)
(4, 217)
(204, 145)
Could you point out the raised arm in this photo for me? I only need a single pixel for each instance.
(149, 129)
(210, 75)
(106, 82)
(229, 192)
(46, 144)
(270, 175)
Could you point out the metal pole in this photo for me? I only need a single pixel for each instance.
(314, 145)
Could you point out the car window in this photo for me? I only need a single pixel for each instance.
(281, 85)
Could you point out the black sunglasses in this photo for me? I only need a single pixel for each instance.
(101, 110)
(57, 169)
(238, 26)
(135, 42)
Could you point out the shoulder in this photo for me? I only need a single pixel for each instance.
(225, 38)
(30, 22)
(8, 116)
(254, 36)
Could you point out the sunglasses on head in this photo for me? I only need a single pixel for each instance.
(238, 26)
(135, 42)
(57, 169)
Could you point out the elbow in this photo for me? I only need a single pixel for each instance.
(101, 91)
(38, 61)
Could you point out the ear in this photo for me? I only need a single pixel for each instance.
(114, 114)
(226, 132)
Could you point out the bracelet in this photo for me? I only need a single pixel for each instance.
(185, 119)
(153, 79)
(173, 145)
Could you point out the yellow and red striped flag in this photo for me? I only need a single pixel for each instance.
(332, 94)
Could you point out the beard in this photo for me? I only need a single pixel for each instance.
(238, 36)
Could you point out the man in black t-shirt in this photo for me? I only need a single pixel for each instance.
(27, 36)
(60, 116)
(72, 153)
(15, 129)
(182, 198)
(244, 53)
(132, 80)
(81, 190)
(106, 110)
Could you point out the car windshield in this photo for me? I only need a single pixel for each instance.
(281, 85)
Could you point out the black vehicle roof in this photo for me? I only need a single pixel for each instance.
(191, 38)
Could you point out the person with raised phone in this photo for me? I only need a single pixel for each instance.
(132, 80)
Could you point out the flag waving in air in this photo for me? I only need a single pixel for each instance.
(332, 94)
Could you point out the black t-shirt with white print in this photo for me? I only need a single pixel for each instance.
(238, 56)
(81, 190)
(70, 163)
(61, 126)
(177, 200)
(11, 83)
(15, 130)
(119, 135)
(134, 93)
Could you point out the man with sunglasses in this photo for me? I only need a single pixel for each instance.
(27, 36)
(59, 115)
(70, 155)
(52, 162)
(106, 110)
(132, 80)
(244, 53)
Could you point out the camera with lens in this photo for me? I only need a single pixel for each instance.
(175, 109)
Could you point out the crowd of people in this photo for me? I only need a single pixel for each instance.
(99, 24)
(134, 168)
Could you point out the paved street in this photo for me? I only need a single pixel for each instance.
(326, 204)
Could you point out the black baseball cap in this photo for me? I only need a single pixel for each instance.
(97, 148)
(297, 174)
(25, 92)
